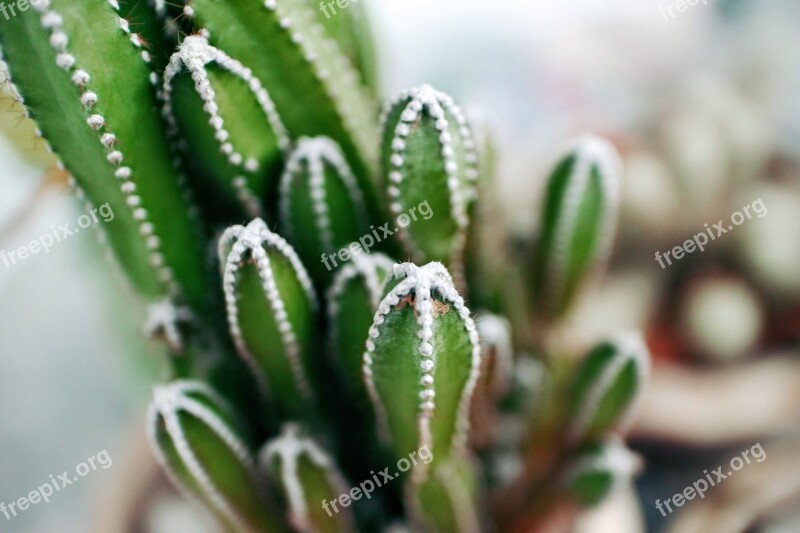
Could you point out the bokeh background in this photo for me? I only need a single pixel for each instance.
(705, 109)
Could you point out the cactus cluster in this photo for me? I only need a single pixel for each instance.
(241, 142)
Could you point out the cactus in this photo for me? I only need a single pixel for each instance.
(579, 219)
(253, 127)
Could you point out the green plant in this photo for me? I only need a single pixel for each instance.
(188, 119)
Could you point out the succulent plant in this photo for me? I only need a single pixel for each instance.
(251, 128)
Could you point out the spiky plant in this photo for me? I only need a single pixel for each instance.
(338, 368)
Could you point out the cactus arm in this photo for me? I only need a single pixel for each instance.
(195, 439)
(83, 109)
(579, 221)
(428, 154)
(353, 298)
(228, 119)
(422, 362)
(607, 385)
(351, 28)
(315, 88)
(322, 207)
(307, 476)
(271, 305)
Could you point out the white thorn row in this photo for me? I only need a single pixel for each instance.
(169, 401)
(52, 21)
(363, 266)
(255, 238)
(135, 39)
(288, 449)
(315, 153)
(423, 282)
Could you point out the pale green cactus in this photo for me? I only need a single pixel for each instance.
(422, 362)
(579, 219)
(186, 118)
(83, 109)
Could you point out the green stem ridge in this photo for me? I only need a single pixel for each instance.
(457, 170)
(174, 437)
(194, 55)
(426, 289)
(282, 457)
(240, 245)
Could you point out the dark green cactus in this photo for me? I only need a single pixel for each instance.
(212, 97)
(598, 471)
(187, 117)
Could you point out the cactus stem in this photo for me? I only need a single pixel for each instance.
(316, 152)
(631, 346)
(425, 97)
(250, 238)
(330, 54)
(52, 21)
(168, 401)
(289, 447)
(588, 150)
(423, 281)
(194, 54)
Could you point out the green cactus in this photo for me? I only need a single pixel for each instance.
(307, 477)
(196, 439)
(428, 155)
(579, 220)
(318, 185)
(189, 119)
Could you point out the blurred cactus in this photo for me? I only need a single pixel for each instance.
(186, 118)
(578, 221)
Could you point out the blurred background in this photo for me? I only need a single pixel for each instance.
(703, 105)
